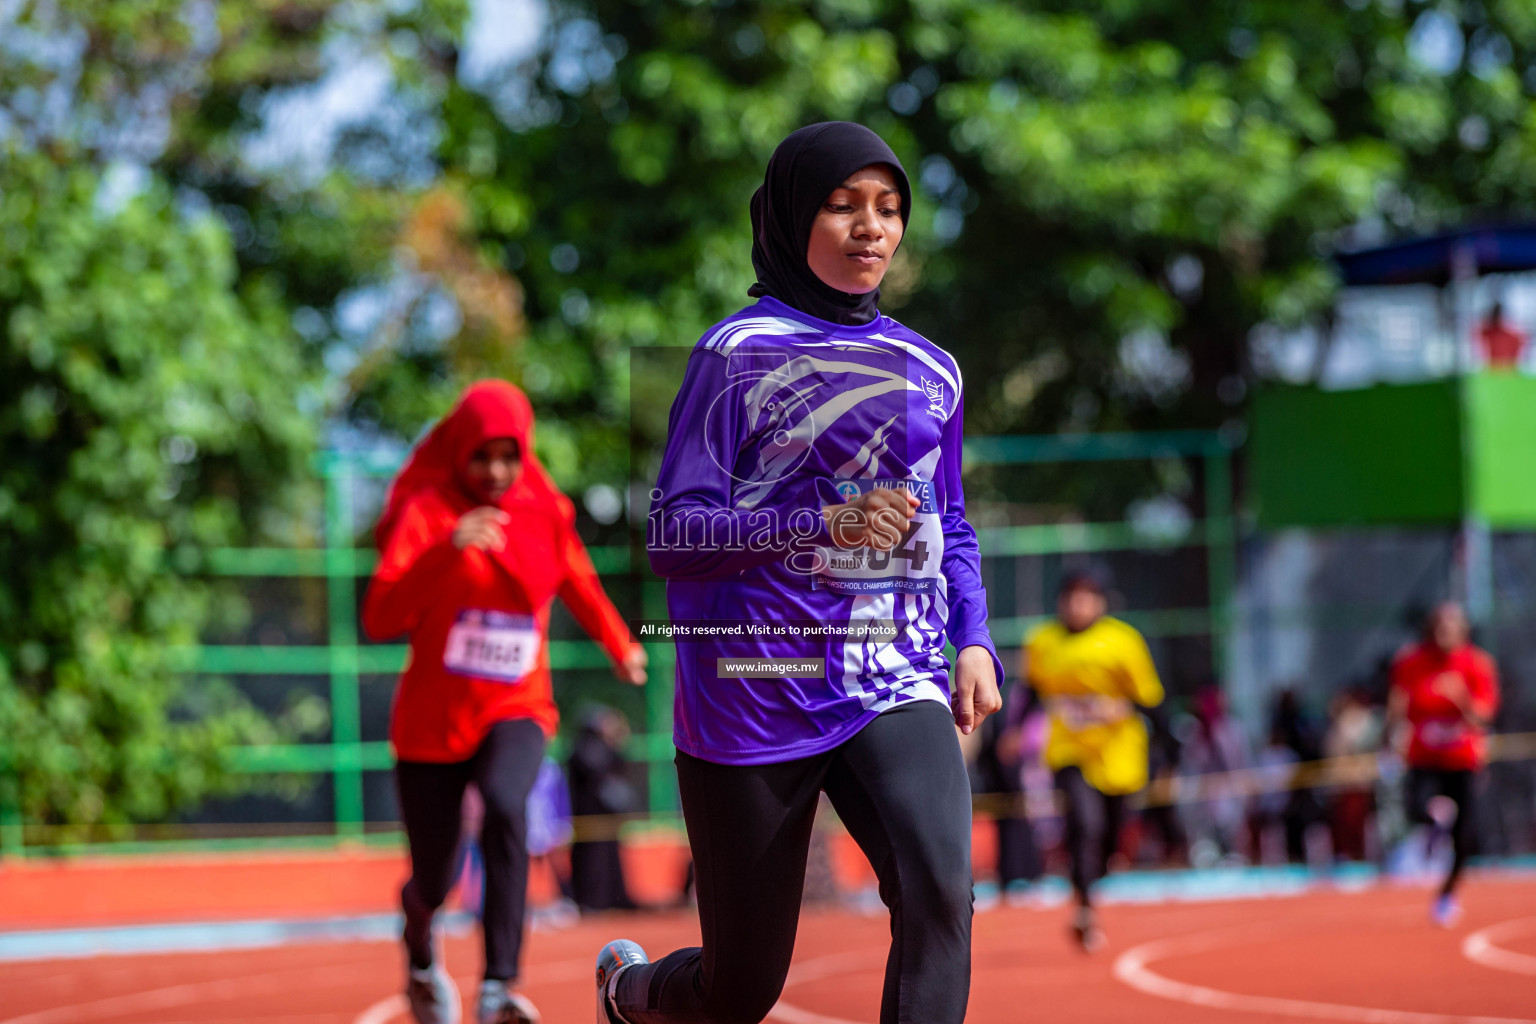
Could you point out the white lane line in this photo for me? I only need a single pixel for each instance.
(221, 990)
(390, 1007)
(1132, 968)
(1482, 947)
(383, 1011)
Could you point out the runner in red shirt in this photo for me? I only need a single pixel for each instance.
(476, 542)
(1447, 691)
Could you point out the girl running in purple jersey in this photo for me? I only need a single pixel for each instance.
(811, 485)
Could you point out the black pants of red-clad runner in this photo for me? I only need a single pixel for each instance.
(1460, 786)
(1093, 822)
(503, 769)
(901, 790)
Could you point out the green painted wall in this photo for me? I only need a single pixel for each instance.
(1386, 454)
(1395, 453)
(1501, 424)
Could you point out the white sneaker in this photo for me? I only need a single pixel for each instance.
(1086, 930)
(501, 1005)
(616, 957)
(433, 997)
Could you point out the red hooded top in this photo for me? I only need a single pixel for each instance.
(478, 621)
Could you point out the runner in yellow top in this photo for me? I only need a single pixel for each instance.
(1092, 672)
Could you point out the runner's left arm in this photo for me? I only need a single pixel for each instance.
(1483, 690)
(1142, 684)
(583, 594)
(961, 564)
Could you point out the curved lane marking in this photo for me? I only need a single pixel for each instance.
(1133, 968)
(390, 1007)
(1481, 947)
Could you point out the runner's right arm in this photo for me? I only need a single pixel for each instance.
(695, 509)
(419, 552)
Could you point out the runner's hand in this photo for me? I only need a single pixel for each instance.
(1453, 687)
(976, 694)
(481, 528)
(632, 669)
(877, 518)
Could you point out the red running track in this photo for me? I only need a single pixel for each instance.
(1368, 957)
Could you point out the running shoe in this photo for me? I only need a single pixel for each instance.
(1445, 911)
(501, 1005)
(1086, 930)
(433, 997)
(611, 962)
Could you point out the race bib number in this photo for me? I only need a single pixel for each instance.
(1438, 733)
(912, 567)
(1089, 710)
(498, 646)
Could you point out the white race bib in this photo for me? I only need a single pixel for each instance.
(499, 646)
(912, 567)
(1438, 733)
(1088, 710)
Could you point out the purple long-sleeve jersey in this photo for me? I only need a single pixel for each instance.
(780, 414)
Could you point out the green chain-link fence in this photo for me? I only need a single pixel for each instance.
(343, 660)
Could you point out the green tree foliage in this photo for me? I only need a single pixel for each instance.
(159, 395)
(149, 415)
(1111, 196)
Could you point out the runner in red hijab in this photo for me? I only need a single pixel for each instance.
(475, 543)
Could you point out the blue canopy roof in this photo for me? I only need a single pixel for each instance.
(1494, 250)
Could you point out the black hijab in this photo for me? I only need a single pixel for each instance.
(803, 171)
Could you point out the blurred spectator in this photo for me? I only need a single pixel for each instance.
(1160, 817)
(1297, 730)
(1213, 751)
(1355, 731)
(1276, 777)
(1009, 741)
(549, 831)
(1502, 343)
(601, 788)
(1295, 726)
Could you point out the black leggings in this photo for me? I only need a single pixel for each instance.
(1093, 830)
(900, 788)
(1425, 783)
(503, 769)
